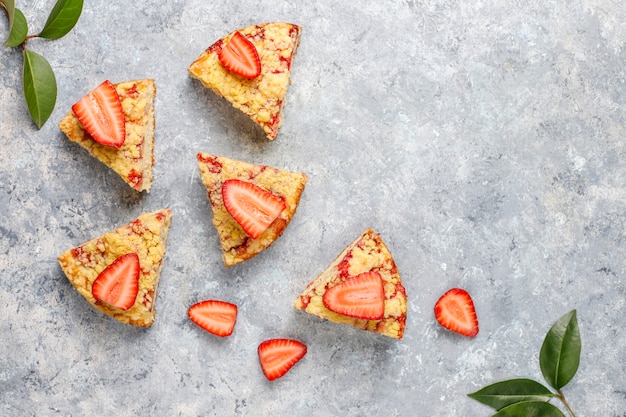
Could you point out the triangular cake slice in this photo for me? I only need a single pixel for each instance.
(133, 161)
(368, 253)
(261, 98)
(145, 236)
(237, 246)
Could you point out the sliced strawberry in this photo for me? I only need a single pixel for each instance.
(455, 311)
(362, 297)
(100, 112)
(240, 56)
(251, 206)
(118, 284)
(214, 316)
(277, 356)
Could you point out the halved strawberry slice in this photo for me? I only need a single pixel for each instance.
(277, 356)
(240, 56)
(253, 207)
(100, 112)
(455, 311)
(118, 284)
(214, 316)
(362, 297)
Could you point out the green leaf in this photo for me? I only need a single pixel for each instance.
(40, 87)
(560, 353)
(18, 27)
(530, 409)
(62, 19)
(504, 393)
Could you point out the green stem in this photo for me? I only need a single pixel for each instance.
(561, 397)
(6, 12)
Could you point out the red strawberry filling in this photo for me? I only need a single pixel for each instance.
(135, 177)
(132, 91)
(216, 47)
(212, 163)
(148, 298)
(82, 256)
(305, 300)
(344, 265)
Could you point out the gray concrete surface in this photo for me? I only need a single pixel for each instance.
(483, 140)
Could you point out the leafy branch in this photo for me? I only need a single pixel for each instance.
(559, 359)
(39, 82)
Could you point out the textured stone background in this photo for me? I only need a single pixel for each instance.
(484, 140)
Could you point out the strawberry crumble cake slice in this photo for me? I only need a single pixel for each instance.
(250, 68)
(252, 204)
(132, 157)
(361, 288)
(118, 272)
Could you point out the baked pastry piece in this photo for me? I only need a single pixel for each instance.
(237, 245)
(367, 256)
(133, 161)
(146, 237)
(261, 98)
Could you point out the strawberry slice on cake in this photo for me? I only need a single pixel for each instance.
(118, 272)
(361, 288)
(115, 124)
(251, 69)
(361, 297)
(101, 114)
(253, 207)
(240, 56)
(251, 204)
(118, 284)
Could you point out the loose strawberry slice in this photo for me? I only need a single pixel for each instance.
(100, 112)
(241, 57)
(214, 316)
(362, 297)
(277, 356)
(118, 284)
(455, 311)
(251, 206)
